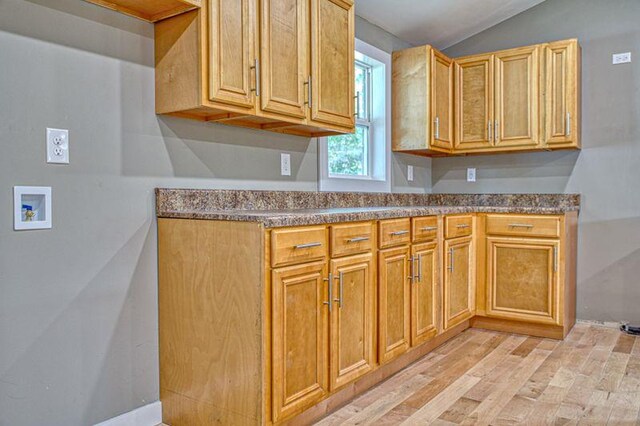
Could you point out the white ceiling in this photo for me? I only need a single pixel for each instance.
(441, 23)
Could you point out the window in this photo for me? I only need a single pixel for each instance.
(360, 161)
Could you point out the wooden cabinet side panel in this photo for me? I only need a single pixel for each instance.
(178, 65)
(411, 109)
(210, 322)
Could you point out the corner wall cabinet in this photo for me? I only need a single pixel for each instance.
(521, 99)
(284, 66)
(270, 326)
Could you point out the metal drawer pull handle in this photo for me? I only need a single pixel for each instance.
(330, 280)
(307, 245)
(429, 228)
(256, 67)
(419, 268)
(568, 124)
(464, 225)
(451, 259)
(411, 277)
(396, 233)
(520, 225)
(357, 239)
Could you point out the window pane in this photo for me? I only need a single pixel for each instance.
(348, 154)
(362, 91)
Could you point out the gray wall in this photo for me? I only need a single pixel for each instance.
(78, 303)
(605, 172)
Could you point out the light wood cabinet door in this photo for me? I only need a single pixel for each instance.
(352, 351)
(474, 102)
(284, 70)
(300, 337)
(441, 100)
(522, 279)
(424, 287)
(232, 50)
(517, 97)
(332, 62)
(394, 303)
(459, 282)
(561, 101)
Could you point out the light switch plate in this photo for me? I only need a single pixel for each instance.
(285, 164)
(410, 173)
(57, 146)
(471, 174)
(621, 58)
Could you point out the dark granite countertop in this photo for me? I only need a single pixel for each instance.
(284, 208)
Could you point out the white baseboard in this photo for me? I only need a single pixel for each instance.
(149, 415)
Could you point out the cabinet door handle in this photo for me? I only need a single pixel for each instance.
(357, 97)
(307, 245)
(489, 130)
(555, 259)
(520, 225)
(429, 228)
(419, 268)
(256, 67)
(397, 233)
(330, 281)
(309, 91)
(450, 259)
(340, 283)
(496, 133)
(568, 124)
(411, 277)
(357, 239)
(462, 226)
(437, 125)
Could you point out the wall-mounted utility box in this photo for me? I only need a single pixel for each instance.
(31, 207)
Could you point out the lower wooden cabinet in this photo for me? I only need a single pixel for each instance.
(352, 334)
(522, 279)
(300, 337)
(424, 292)
(394, 303)
(278, 326)
(458, 282)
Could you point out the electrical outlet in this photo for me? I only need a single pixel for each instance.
(410, 173)
(57, 146)
(285, 164)
(471, 174)
(621, 58)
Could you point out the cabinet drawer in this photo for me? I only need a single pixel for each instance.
(351, 238)
(458, 226)
(298, 245)
(424, 228)
(524, 225)
(394, 232)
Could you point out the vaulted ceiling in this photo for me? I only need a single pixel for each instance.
(441, 23)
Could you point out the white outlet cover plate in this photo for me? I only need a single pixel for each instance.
(40, 198)
(410, 173)
(621, 58)
(57, 146)
(285, 164)
(471, 174)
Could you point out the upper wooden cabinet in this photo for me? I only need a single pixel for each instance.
(525, 98)
(474, 102)
(285, 65)
(562, 94)
(517, 98)
(422, 101)
(149, 10)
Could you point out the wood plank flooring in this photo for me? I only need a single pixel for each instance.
(490, 378)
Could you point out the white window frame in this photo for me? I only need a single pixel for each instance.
(379, 178)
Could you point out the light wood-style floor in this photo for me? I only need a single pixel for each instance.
(490, 378)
